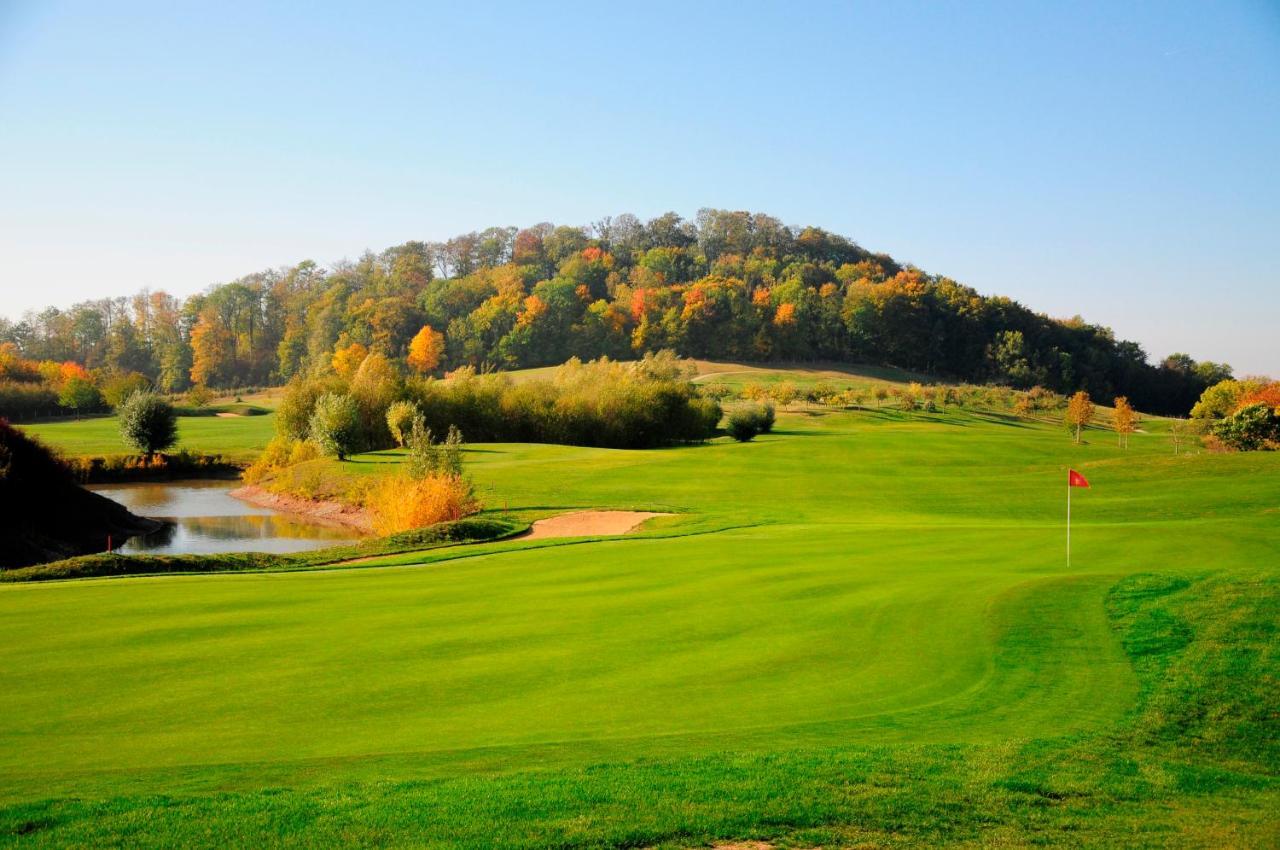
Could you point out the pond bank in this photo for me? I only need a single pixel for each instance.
(201, 517)
(359, 519)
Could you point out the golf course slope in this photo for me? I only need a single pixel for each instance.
(858, 630)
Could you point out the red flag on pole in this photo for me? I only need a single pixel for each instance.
(1074, 479)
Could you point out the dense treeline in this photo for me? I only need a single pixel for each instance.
(730, 285)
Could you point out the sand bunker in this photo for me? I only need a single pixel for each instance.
(589, 524)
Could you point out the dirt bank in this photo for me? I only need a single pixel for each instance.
(330, 512)
(588, 524)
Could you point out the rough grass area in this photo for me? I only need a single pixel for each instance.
(470, 530)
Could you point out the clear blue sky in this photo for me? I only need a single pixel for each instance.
(1117, 160)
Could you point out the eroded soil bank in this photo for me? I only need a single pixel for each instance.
(330, 512)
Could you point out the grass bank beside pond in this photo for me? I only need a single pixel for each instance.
(470, 530)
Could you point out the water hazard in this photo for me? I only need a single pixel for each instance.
(206, 519)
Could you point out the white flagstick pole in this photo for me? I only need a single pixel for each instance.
(1068, 518)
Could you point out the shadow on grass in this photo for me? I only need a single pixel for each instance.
(1006, 419)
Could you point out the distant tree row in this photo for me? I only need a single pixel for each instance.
(730, 285)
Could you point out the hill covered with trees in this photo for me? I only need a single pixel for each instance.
(729, 285)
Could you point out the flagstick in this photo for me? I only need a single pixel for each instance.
(1068, 518)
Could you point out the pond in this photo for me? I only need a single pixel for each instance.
(206, 519)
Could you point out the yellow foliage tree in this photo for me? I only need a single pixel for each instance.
(426, 349)
(1125, 419)
(1080, 412)
(347, 360)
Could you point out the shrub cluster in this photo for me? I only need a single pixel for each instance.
(21, 400)
(183, 464)
(402, 503)
(1254, 427)
(1241, 415)
(604, 403)
(601, 403)
(749, 420)
(281, 452)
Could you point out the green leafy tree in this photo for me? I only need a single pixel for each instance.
(119, 387)
(79, 394)
(400, 419)
(335, 425)
(148, 423)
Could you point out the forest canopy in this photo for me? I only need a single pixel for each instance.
(728, 285)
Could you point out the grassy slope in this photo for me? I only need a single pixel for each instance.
(862, 619)
(803, 375)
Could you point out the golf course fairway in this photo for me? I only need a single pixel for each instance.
(858, 630)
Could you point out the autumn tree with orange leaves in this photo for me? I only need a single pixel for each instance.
(426, 350)
(212, 351)
(347, 359)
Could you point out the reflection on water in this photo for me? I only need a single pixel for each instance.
(206, 519)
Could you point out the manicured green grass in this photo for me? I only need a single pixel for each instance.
(238, 438)
(860, 630)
